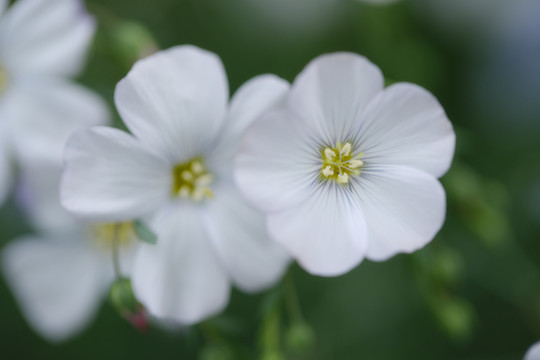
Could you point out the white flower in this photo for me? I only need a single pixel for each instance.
(42, 42)
(61, 275)
(178, 165)
(534, 352)
(347, 169)
(60, 279)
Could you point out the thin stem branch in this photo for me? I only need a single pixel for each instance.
(291, 299)
(116, 253)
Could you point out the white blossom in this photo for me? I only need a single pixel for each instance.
(534, 352)
(346, 169)
(177, 166)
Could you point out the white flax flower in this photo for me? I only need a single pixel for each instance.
(177, 165)
(346, 169)
(42, 43)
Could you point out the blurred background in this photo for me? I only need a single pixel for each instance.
(473, 293)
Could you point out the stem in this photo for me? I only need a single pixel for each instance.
(116, 254)
(291, 299)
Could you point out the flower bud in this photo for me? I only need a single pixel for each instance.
(122, 298)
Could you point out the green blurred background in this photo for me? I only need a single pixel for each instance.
(473, 293)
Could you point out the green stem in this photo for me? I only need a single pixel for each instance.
(291, 299)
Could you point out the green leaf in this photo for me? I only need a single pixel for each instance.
(144, 233)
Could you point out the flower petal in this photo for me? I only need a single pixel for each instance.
(58, 284)
(180, 278)
(46, 37)
(58, 109)
(38, 193)
(5, 172)
(176, 96)
(331, 93)
(534, 352)
(326, 233)
(110, 176)
(406, 125)
(404, 209)
(276, 164)
(3, 5)
(239, 234)
(248, 103)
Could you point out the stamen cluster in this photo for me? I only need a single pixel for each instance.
(339, 163)
(191, 180)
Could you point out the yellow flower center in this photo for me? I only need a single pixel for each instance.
(192, 180)
(107, 235)
(340, 163)
(3, 80)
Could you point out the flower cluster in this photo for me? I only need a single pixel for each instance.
(328, 170)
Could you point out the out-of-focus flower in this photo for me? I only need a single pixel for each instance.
(534, 352)
(60, 279)
(41, 43)
(178, 166)
(347, 169)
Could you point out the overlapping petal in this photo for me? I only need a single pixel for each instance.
(404, 209)
(277, 163)
(332, 92)
(327, 233)
(248, 103)
(181, 277)
(45, 37)
(239, 235)
(110, 176)
(58, 283)
(175, 101)
(58, 109)
(406, 125)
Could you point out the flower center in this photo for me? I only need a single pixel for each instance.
(340, 163)
(107, 235)
(3, 79)
(192, 180)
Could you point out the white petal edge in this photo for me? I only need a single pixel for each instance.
(534, 352)
(238, 233)
(46, 37)
(277, 162)
(5, 171)
(331, 93)
(406, 125)
(250, 101)
(326, 233)
(404, 209)
(58, 284)
(180, 278)
(59, 108)
(110, 176)
(175, 101)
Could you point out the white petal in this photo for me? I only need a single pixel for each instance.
(5, 171)
(46, 37)
(3, 5)
(331, 93)
(248, 103)
(326, 233)
(404, 209)
(110, 176)
(175, 101)
(58, 109)
(58, 284)
(180, 278)
(406, 125)
(276, 163)
(534, 352)
(239, 234)
(38, 193)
